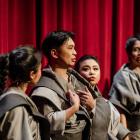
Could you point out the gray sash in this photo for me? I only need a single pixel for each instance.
(101, 120)
(10, 101)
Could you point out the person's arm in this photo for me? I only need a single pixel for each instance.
(75, 101)
(122, 117)
(123, 120)
(87, 99)
(15, 125)
(51, 108)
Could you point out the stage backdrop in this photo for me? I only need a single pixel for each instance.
(101, 27)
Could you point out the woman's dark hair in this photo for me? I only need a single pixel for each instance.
(4, 63)
(54, 40)
(22, 61)
(83, 58)
(130, 43)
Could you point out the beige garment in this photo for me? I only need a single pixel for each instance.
(18, 124)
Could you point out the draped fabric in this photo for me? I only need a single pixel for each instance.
(101, 27)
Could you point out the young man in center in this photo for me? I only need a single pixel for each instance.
(55, 94)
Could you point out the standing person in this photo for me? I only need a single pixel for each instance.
(19, 117)
(125, 90)
(55, 94)
(106, 121)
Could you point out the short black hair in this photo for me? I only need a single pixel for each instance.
(83, 58)
(54, 40)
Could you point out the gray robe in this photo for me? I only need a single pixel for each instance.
(125, 93)
(18, 123)
(51, 100)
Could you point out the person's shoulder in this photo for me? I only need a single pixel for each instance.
(39, 90)
(44, 92)
(16, 113)
(121, 72)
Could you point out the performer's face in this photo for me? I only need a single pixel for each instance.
(135, 54)
(90, 70)
(66, 54)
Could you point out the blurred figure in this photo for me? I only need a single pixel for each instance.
(125, 90)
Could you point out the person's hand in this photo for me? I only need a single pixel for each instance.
(74, 99)
(86, 99)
